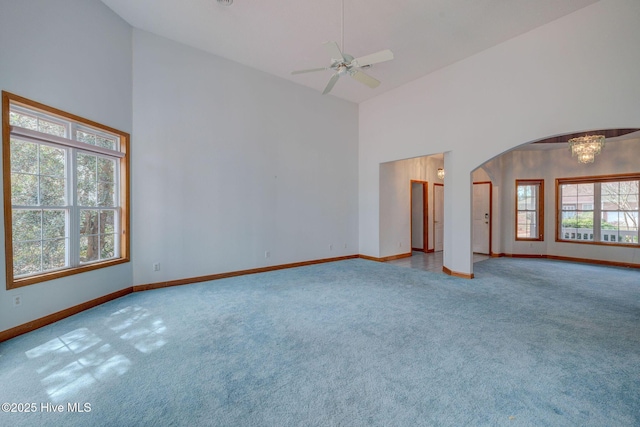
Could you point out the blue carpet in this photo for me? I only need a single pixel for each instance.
(351, 343)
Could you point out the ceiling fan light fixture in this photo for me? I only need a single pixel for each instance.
(225, 2)
(344, 64)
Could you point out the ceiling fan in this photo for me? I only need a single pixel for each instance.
(343, 63)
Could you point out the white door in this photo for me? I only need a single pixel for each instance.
(481, 217)
(438, 217)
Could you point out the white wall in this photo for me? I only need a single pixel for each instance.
(75, 56)
(577, 73)
(231, 162)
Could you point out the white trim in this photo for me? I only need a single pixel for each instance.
(39, 137)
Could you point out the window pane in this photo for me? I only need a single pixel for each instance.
(569, 225)
(88, 222)
(585, 193)
(106, 194)
(87, 193)
(86, 137)
(569, 194)
(23, 120)
(51, 128)
(89, 248)
(107, 249)
(629, 236)
(527, 197)
(107, 221)
(106, 170)
(26, 257)
(628, 220)
(54, 254)
(24, 189)
(87, 180)
(610, 191)
(630, 187)
(51, 161)
(26, 225)
(109, 143)
(527, 227)
(53, 224)
(24, 156)
(584, 220)
(87, 166)
(532, 203)
(620, 195)
(609, 226)
(52, 191)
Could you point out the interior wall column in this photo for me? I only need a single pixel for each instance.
(458, 256)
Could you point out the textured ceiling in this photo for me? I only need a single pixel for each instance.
(280, 36)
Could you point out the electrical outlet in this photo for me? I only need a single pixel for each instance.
(399, 244)
(345, 246)
(267, 254)
(330, 247)
(17, 300)
(156, 266)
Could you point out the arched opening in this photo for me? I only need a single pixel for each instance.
(548, 204)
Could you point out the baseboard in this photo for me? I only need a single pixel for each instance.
(594, 261)
(525, 256)
(386, 258)
(52, 318)
(217, 276)
(418, 250)
(450, 272)
(571, 259)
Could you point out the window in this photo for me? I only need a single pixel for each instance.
(66, 192)
(608, 211)
(530, 209)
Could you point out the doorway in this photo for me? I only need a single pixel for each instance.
(482, 202)
(438, 217)
(419, 216)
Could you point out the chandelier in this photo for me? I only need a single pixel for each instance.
(440, 173)
(585, 148)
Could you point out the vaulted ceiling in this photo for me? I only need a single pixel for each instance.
(280, 36)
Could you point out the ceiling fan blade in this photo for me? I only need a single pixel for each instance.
(365, 78)
(334, 51)
(310, 70)
(331, 84)
(374, 58)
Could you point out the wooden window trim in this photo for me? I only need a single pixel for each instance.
(12, 283)
(540, 210)
(584, 180)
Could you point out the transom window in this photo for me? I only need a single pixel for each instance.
(604, 210)
(530, 209)
(67, 193)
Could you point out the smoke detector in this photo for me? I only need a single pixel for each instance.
(225, 2)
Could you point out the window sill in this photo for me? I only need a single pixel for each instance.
(30, 280)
